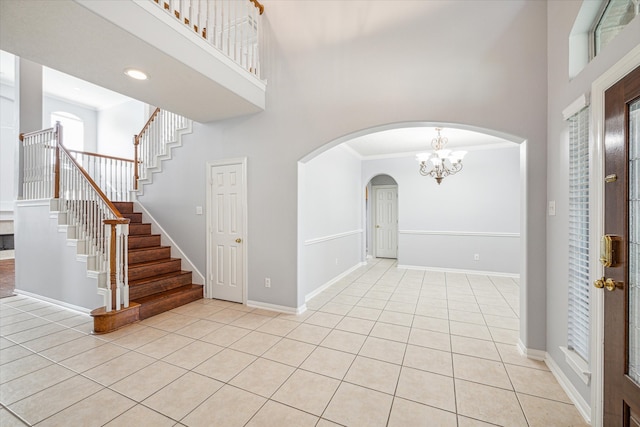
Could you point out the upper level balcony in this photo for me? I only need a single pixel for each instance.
(202, 57)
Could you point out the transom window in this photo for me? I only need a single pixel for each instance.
(616, 14)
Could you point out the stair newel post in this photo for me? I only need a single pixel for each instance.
(117, 233)
(136, 143)
(110, 231)
(123, 255)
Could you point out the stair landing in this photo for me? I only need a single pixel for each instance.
(157, 282)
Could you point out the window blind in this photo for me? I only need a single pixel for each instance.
(579, 319)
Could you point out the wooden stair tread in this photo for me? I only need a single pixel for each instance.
(168, 294)
(168, 300)
(150, 248)
(149, 263)
(159, 276)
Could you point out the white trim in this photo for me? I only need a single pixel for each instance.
(317, 240)
(33, 202)
(598, 87)
(332, 281)
(461, 271)
(581, 405)
(160, 159)
(199, 278)
(578, 364)
(531, 353)
(6, 206)
(575, 107)
(279, 308)
(242, 161)
(494, 146)
(66, 305)
(459, 233)
(352, 151)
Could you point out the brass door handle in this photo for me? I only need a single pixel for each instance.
(238, 240)
(609, 284)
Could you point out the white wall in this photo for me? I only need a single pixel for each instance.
(336, 68)
(8, 149)
(330, 228)
(88, 115)
(562, 92)
(50, 269)
(476, 211)
(116, 127)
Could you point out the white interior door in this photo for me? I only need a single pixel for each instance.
(226, 219)
(386, 221)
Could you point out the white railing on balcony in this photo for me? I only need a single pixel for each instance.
(39, 164)
(153, 143)
(114, 175)
(231, 26)
(51, 171)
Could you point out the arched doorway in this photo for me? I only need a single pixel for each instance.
(527, 259)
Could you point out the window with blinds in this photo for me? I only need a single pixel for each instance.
(578, 327)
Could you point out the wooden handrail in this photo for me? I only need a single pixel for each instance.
(104, 198)
(24, 135)
(136, 143)
(258, 5)
(153, 116)
(102, 156)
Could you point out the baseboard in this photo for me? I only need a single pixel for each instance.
(198, 277)
(332, 281)
(77, 308)
(540, 355)
(279, 308)
(461, 271)
(581, 405)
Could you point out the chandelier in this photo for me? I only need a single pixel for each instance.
(441, 163)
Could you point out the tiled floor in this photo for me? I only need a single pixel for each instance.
(383, 347)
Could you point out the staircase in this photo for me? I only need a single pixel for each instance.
(156, 281)
(136, 275)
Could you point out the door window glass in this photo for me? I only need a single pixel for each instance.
(634, 241)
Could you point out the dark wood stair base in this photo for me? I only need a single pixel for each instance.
(105, 322)
(157, 282)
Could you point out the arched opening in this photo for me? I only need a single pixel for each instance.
(474, 222)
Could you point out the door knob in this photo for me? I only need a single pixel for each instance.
(377, 226)
(238, 240)
(599, 283)
(609, 284)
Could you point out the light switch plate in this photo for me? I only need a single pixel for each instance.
(552, 208)
(198, 210)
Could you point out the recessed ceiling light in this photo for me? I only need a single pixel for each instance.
(136, 74)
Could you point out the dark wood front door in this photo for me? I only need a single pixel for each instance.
(622, 223)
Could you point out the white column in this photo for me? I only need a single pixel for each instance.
(29, 105)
